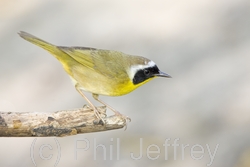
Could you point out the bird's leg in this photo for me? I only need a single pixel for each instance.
(96, 97)
(91, 104)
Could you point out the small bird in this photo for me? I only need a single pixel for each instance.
(101, 72)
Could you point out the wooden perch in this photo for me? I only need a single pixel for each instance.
(60, 123)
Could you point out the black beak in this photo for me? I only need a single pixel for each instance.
(162, 74)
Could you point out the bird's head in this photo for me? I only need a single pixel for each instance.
(144, 70)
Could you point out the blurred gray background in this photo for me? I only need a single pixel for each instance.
(204, 45)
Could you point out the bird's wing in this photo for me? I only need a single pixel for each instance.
(104, 62)
(81, 55)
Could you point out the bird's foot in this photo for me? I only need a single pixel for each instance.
(99, 114)
(127, 119)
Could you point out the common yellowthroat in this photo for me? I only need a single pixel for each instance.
(101, 72)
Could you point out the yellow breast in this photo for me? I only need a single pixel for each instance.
(125, 88)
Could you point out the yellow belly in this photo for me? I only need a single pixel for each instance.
(109, 88)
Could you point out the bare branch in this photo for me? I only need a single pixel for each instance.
(60, 123)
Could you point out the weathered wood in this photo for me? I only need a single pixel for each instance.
(60, 123)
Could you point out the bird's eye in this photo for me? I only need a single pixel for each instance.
(146, 72)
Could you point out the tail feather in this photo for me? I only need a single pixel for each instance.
(63, 57)
(39, 42)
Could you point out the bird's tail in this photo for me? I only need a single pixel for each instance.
(63, 57)
(53, 49)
